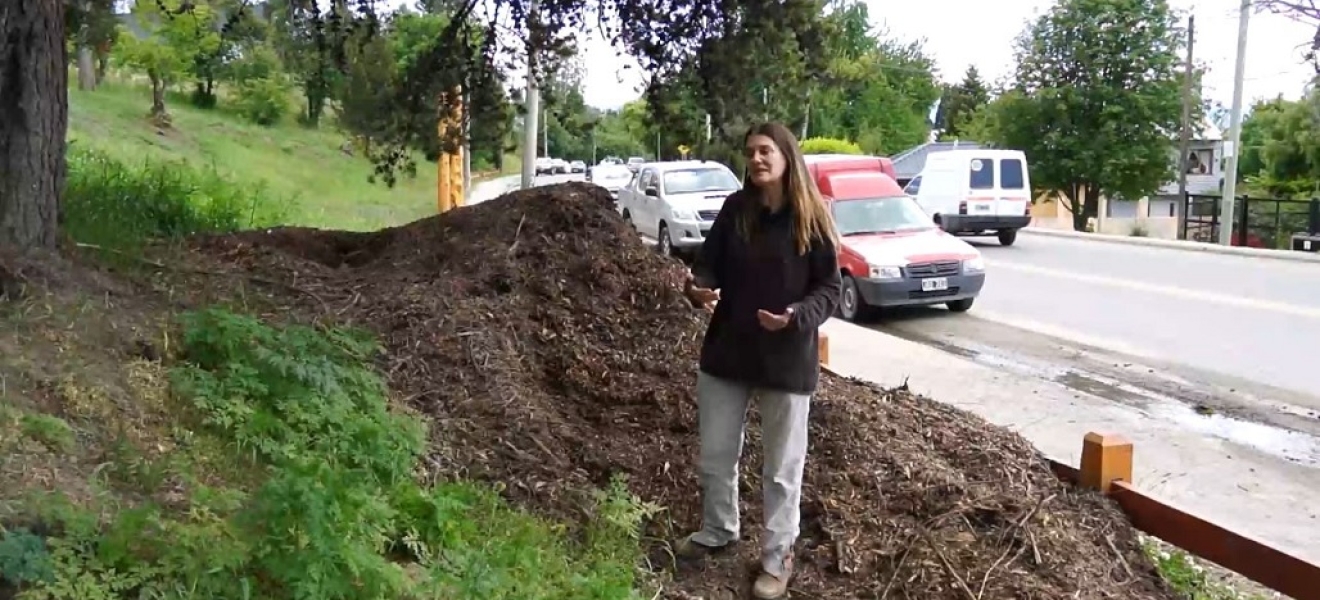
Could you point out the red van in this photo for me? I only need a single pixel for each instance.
(892, 253)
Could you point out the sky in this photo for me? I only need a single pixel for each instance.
(1274, 64)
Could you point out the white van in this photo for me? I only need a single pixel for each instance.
(976, 192)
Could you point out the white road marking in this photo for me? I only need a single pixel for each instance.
(1066, 333)
(1227, 300)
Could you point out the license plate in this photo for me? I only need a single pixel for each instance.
(935, 284)
(982, 208)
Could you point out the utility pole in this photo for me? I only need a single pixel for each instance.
(545, 132)
(1235, 124)
(1185, 143)
(532, 103)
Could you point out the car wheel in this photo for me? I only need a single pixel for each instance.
(958, 306)
(1007, 237)
(664, 245)
(627, 217)
(852, 307)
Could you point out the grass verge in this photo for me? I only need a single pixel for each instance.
(285, 473)
(202, 455)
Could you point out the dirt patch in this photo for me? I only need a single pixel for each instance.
(82, 387)
(552, 350)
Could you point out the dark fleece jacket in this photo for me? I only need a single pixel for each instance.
(765, 272)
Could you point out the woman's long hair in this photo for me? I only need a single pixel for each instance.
(812, 221)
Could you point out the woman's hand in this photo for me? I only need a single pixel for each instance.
(700, 296)
(773, 322)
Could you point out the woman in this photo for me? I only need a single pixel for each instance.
(770, 261)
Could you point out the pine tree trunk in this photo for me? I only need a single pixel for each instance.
(34, 114)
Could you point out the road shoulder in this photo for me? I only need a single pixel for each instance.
(1183, 468)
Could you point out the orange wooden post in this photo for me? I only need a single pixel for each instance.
(457, 193)
(1106, 458)
(449, 174)
(823, 348)
(444, 185)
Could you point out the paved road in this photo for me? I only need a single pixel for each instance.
(1225, 334)
(491, 189)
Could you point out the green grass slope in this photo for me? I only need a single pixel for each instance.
(304, 170)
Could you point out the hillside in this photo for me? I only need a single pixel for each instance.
(304, 169)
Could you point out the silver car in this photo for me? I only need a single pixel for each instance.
(675, 202)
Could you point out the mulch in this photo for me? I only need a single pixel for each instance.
(552, 350)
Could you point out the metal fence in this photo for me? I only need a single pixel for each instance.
(1257, 222)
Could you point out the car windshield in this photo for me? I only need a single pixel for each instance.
(688, 181)
(879, 215)
(611, 172)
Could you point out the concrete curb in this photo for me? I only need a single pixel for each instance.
(1307, 257)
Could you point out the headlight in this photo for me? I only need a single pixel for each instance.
(886, 272)
(974, 265)
(684, 215)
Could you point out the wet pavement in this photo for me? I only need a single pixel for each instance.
(1236, 411)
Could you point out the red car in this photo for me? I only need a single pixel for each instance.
(892, 253)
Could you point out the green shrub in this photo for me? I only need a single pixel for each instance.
(24, 558)
(112, 204)
(824, 145)
(333, 511)
(264, 100)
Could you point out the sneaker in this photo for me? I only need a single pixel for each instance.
(772, 587)
(689, 549)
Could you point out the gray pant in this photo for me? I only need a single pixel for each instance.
(722, 416)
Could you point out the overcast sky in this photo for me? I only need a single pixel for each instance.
(959, 33)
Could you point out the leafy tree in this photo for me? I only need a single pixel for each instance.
(959, 102)
(1258, 127)
(378, 108)
(305, 44)
(1096, 105)
(1281, 147)
(876, 90)
(164, 54)
(225, 29)
(613, 135)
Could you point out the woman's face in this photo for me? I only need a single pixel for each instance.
(765, 163)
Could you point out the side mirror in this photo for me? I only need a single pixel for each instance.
(652, 192)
